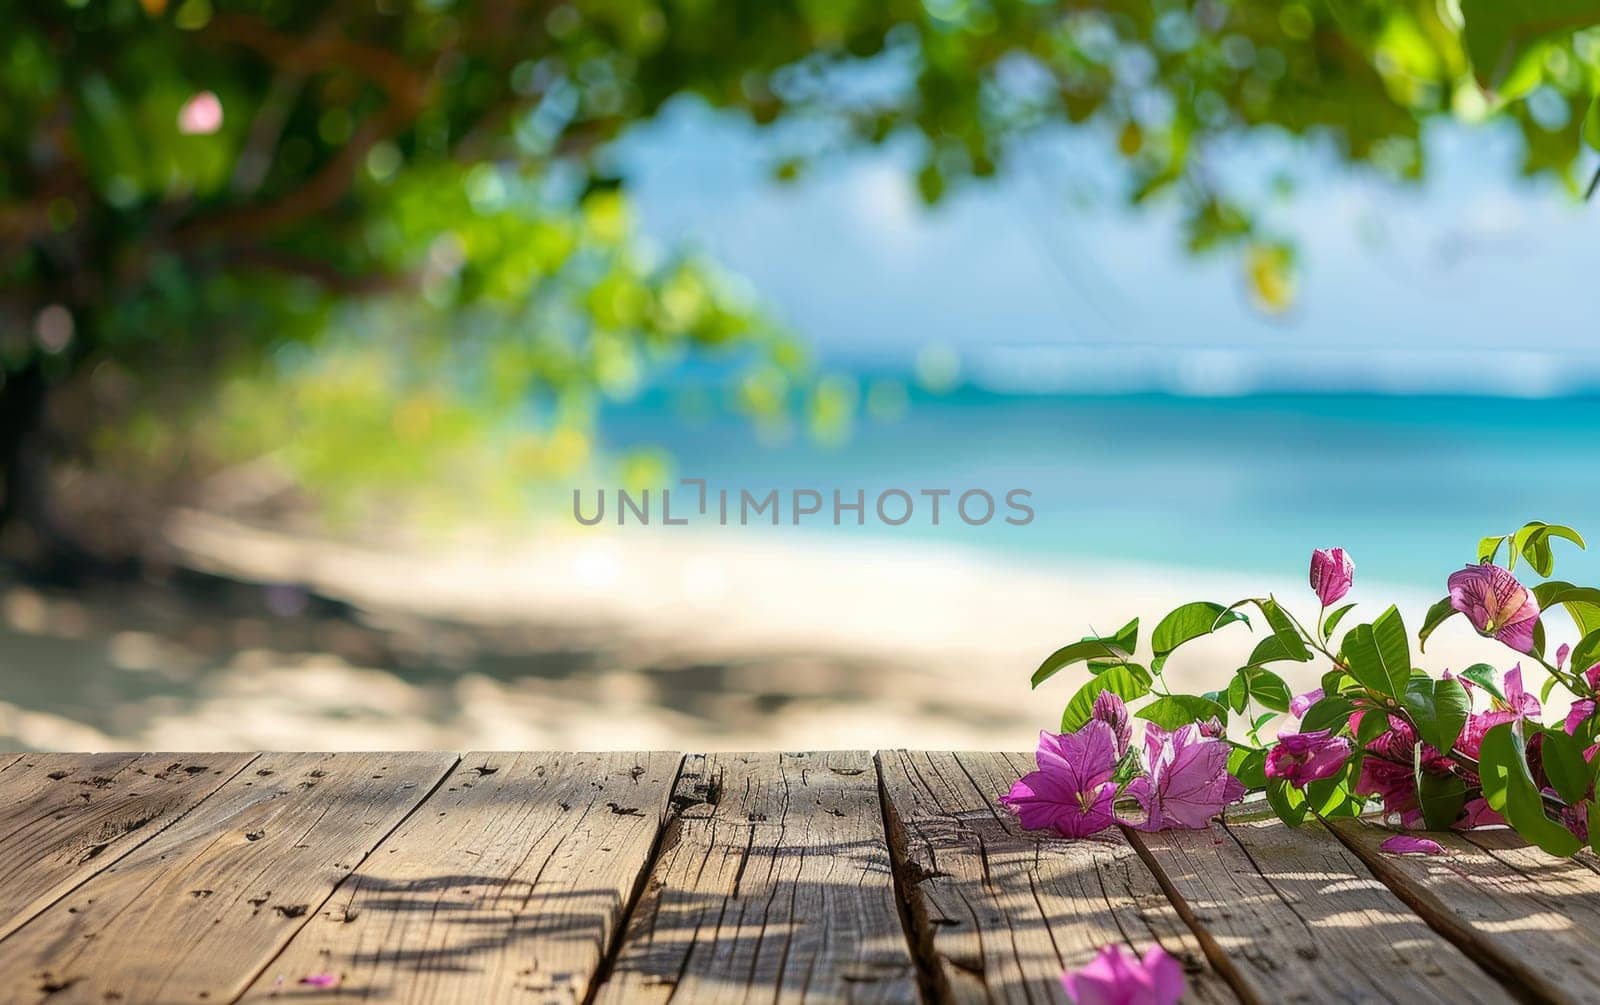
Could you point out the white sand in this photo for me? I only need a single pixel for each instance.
(607, 639)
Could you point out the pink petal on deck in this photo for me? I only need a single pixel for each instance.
(1405, 844)
(320, 980)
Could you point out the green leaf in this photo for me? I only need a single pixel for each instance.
(1186, 623)
(1332, 623)
(1286, 801)
(1174, 710)
(1129, 682)
(1500, 34)
(1078, 652)
(1379, 655)
(1564, 764)
(1332, 712)
(1437, 615)
(1439, 710)
(1594, 826)
(1238, 693)
(1489, 548)
(1441, 798)
(1509, 788)
(1582, 602)
(1266, 687)
(1486, 677)
(1125, 638)
(1249, 766)
(1591, 124)
(1373, 725)
(1533, 541)
(1586, 653)
(1285, 642)
(1274, 649)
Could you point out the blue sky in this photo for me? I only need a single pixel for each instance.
(1478, 281)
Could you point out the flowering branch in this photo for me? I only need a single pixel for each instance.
(1379, 732)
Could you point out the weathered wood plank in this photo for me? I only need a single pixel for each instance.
(1301, 919)
(773, 883)
(1000, 911)
(193, 914)
(508, 883)
(1531, 917)
(66, 817)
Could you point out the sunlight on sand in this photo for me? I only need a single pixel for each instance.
(582, 640)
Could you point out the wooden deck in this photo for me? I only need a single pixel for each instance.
(655, 877)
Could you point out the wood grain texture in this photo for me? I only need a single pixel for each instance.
(70, 816)
(508, 884)
(1301, 919)
(1529, 916)
(998, 911)
(773, 883)
(193, 914)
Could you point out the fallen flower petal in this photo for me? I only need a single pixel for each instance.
(320, 980)
(1405, 844)
(1116, 977)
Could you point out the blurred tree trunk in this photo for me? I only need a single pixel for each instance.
(30, 532)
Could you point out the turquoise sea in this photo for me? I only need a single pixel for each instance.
(1407, 483)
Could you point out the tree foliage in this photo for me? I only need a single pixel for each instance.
(437, 158)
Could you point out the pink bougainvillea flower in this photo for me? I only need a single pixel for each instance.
(1518, 699)
(1188, 781)
(1405, 844)
(1389, 773)
(320, 980)
(1109, 709)
(201, 115)
(1332, 572)
(1071, 792)
(1581, 710)
(1301, 758)
(1300, 704)
(1213, 728)
(1497, 605)
(1562, 651)
(1116, 977)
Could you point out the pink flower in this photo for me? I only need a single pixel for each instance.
(320, 980)
(201, 115)
(1109, 709)
(1116, 977)
(1388, 773)
(1405, 844)
(1213, 728)
(1332, 572)
(1562, 652)
(1301, 758)
(1581, 710)
(1072, 790)
(1300, 704)
(1518, 699)
(1496, 604)
(1188, 783)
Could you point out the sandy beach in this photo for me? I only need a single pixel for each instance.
(269, 640)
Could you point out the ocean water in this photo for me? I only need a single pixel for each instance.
(1251, 484)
